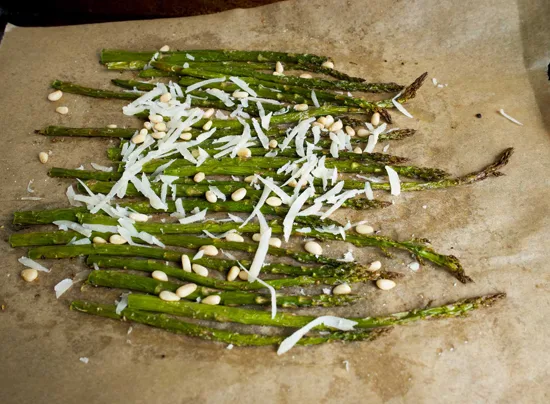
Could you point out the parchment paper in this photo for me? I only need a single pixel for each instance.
(492, 55)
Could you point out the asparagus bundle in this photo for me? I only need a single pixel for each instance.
(298, 139)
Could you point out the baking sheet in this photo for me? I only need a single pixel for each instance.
(491, 54)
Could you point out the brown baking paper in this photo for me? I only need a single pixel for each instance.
(491, 55)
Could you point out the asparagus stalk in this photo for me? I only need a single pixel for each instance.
(255, 317)
(212, 55)
(243, 206)
(350, 272)
(212, 334)
(150, 266)
(121, 280)
(492, 170)
(210, 102)
(229, 166)
(418, 248)
(292, 80)
(127, 133)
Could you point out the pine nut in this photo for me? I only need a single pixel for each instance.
(29, 274)
(159, 276)
(319, 124)
(244, 153)
(155, 118)
(414, 266)
(158, 135)
(273, 144)
(62, 110)
(99, 240)
(199, 270)
(301, 107)
(165, 48)
(293, 183)
(112, 126)
(243, 275)
(358, 150)
(208, 113)
(375, 119)
(385, 284)
(140, 137)
(239, 194)
(305, 76)
(168, 296)
(364, 229)
(279, 67)
(211, 197)
(329, 121)
(138, 217)
(117, 239)
(161, 127)
(234, 237)
(250, 179)
(233, 273)
(363, 132)
(350, 131)
(207, 125)
(375, 266)
(328, 64)
(256, 237)
(343, 289)
(147, 125)
(200, 176)
(186, 290)
(313, 248)
(275, 242)
(186, 136)
(274, 201)
(55, 96)
(165, 97)
(43, 157)
(240, 94)
(212, 300)
(186, 263)
(322, 120)
(209, 250)
(336, 126)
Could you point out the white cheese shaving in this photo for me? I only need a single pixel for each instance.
(32, 264)
(368, 191)
(400, 106)
(204, 83)
(82, 241)
(395, 183)
(101, 168)
(273, 296)
(197, 217)
(198, 255)
(29, 189)
(244, 85)
(373, 138)
(235, 218)
(268, 182)
(31, 198)
(71, 195)
(229, 347)
(62, 287)
(228, 255)
(84, 360)
(434, 81)
(122, 303)
(348, 257)
(260, 133)
(261, 253)
(293, 211)
(327, 291)
(221, 95)
(386, 148)
(160, 169)
(101, 228)
(329, 321)
(302, 128)
(217, 192)
(264, 100)
(190, 57)
(504, 114)
(304, 230)
(340, 201)
(314, 99)
(66, 224)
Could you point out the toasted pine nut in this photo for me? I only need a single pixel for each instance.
(29, 274)
(186, 290)
(62, 110)
(117, 239)
(244, 152)
(99, 240)
(168, 296)
(301, 107)
(159, 276)
(212, 300)
(364, 229)
(209, 250)
(239, 194)
(138, 217)
(328, 64)
(343, 289)
(313, 248)
(186, 263)
(199, 270)
(211, 197)
(55, 96)
(43, 157)
(233, 273)
(375, 119)
(200, 176)
(385, 284)
(274, 201)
